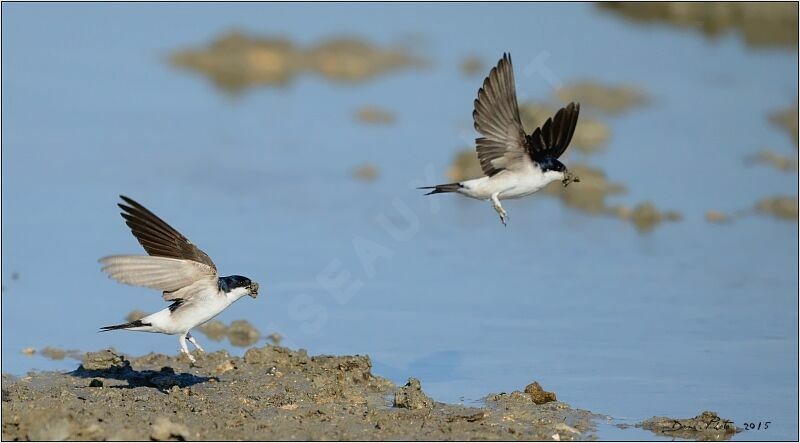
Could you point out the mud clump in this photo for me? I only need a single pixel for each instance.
(374, 115)
(411, 396)
(272, 392)
(106, 360)
(590, 134)
(236, 61)
(761, 24)
(539, 395)
(707, 426)
(781, 207)
(366, 172)
(607, 98)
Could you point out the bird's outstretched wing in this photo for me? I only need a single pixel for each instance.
(175, 266)
(552, 138)
(175, 277)
(496, 115)
(157, 237)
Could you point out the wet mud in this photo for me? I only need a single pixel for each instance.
(760, 23)
(707, 426)
(236, 61)
(270, 393)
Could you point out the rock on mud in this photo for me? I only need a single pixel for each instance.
(707, 426)
(103, 361)
(411, 396)
(539, 395)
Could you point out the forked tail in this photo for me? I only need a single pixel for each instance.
(129, 325)
(438, 189)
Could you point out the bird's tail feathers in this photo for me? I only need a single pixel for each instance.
(130, 325)
(448, 187)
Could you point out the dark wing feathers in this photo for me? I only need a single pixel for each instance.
(157, 237)
(552, 138)
(496, 117)
(503, 143)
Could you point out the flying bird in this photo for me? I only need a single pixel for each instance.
(186, 276)
(516, 164)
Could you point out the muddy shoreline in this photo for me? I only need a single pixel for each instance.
(271, 393)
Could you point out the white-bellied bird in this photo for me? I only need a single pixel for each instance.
(516, 164)
(186, 276)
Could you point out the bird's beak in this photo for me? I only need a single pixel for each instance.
(569, 177)
(254, 290)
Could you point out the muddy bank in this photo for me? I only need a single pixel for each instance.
(270, 393)
(236, 61)
(760, 23)
(707, 426)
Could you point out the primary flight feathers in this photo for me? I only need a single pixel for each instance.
(503, 143)
(157, 237)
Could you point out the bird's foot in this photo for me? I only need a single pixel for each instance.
(503, 217)
(189, 356)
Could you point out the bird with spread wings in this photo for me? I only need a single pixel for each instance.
(515, 164)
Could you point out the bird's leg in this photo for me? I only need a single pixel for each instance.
(499, 208)
(193, 341)
(184, 349)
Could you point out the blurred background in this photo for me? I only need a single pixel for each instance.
(286, 141)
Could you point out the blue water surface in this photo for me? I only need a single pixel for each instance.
(690, 317)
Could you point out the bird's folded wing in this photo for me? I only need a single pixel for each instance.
(162, 273)
(552, 138)
(496, 116)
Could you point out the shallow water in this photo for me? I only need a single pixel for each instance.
(691, 316)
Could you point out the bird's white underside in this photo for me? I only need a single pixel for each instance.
(510, 183)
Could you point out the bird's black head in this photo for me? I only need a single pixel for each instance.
(232, 282)
(551, 164)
